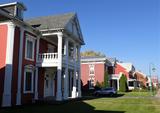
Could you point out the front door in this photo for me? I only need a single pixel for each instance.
(48, 85)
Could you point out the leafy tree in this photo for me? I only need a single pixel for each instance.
(123, 83)
(92, 53)
(106, 80)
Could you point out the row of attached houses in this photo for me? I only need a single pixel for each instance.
(39, 58)
(93, 70)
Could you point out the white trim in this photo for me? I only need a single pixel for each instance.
(93, 63)
(79, 73)
(8, 4)
(6, 100)
(74, 89)
(92, 59)
(32, 39)
(48, 34)
(59, 68)
(18, 101)
(66, 84)
(24, 85)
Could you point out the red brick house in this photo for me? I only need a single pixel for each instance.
(122, 68)
(92, 70)
(39, 58)
(141, 78)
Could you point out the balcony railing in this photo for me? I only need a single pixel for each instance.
(47, 56)
(51, 59)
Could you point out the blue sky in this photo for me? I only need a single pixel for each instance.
(126, 29)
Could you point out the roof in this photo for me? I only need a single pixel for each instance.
(127, 66)
(93, 59)
(51, 22)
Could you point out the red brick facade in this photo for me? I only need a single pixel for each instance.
(99, 68)
(120, 69)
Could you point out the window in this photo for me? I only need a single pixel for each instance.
(19, 13)
(131, 83)
(91, 83)
(91, 76)
(91, 69)
(28, 81)
(30, 44)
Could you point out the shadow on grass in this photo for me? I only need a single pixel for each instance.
(70, 107)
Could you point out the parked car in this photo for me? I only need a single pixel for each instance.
(105, 91)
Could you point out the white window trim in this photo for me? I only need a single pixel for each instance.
(91, 66)
(91, 76)
(24, 85)
(32, 39)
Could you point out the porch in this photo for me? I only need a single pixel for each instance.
(114, 80)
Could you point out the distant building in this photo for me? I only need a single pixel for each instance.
(120, 68)
(93, 70)
(154, 81)
(142, 79)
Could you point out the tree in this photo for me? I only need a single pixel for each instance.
(123, 83)
(106, 80)
(92, 53)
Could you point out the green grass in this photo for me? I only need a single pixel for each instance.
(137, 94)
(94, 105)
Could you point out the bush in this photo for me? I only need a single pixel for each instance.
(98, 85)
(106, 80)
(123, 83)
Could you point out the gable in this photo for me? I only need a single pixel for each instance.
(73, 27)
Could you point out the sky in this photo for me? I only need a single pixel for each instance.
(126, 29)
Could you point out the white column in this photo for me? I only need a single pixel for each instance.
(118, 84)
(8, 69)
(66, 71)
(18, 101)
(79, 73)
(74, 75)
(36, 75)
(59, 68)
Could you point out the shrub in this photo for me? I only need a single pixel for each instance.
(98, 85)
(106, 80)
(123, 84)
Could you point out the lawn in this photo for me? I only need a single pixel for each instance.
(138, 94)
(95, 105)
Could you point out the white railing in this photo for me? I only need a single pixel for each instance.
(51, 59)
(47, 56)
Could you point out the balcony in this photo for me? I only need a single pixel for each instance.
(51, 60)
(47, 59)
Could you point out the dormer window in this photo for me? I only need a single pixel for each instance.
(15, 9)
(19, 13)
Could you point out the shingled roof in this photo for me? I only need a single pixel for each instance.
(51, 22)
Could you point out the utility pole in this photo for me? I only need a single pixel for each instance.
(151, 68)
